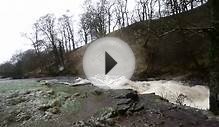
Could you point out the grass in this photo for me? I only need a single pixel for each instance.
(71, 106)
(103, 111)
(18, 85)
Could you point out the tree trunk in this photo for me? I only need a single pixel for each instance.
(71, 31)
(214, 58)
(65, 40)
(109, 22)
(61, 51)
(202, 2)
(85, 37)
(151, 9)
(191, 4)
(126, 13)
(55, 50)
(159, 8)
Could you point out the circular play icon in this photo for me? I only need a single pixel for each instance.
(108, 57)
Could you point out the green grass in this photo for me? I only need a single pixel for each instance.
(60, 93)
(18, 85)
(72, 106)
(64, 89)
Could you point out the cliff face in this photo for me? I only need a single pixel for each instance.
(174, 45)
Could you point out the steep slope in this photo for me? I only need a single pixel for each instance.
(171, 45)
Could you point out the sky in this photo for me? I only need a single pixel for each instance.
(17, 17)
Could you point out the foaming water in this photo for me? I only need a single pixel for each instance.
(174, 91)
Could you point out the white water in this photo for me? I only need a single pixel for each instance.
(196, 96)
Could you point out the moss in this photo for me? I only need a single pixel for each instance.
(71, 106)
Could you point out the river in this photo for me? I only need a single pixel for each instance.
(174, 91)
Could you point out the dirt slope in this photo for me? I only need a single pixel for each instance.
(174, 45)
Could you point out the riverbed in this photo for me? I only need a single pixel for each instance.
(176, 92)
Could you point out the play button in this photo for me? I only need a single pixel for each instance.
(108, 57)
(109, 63)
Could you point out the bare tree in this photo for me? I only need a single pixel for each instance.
(191, 3)
(33, 37)
(94, 21)
(144, 9)
(121, 11)
(46, 25)
(159, 8)
(109, 9)
(84, 24)
(67, 32)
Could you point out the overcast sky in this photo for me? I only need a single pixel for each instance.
(17, 16)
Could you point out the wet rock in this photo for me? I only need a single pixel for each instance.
(4, 123)
(124, 101)
(137, 107)
(14, 94)
(180, 124)
(67, 97)
(54, 110)
(146, 125)
(39, 80)
(50, 92)
(132, 95)
(8, 117)
(85, 95)
(173, 107)
(110, 114)
(46, 83)
(163, 99)
(105, 119)
(56, 103)
(22, 117)
(79, 124)
(121, 109)
(97, 92)
(47, 115)
(95, 122)
(180, 99)
(128, 103)
(42, 93)
(76, 94)
(15, 101)
(129, 94)
(44, 107)
(26, 92)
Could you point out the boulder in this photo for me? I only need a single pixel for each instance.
(54, 110)
(44, 107)
(50, 92)
(76, 94)
(97, 92)
(22, 117)
(122, 109)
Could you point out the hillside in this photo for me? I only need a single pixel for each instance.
(171, 45)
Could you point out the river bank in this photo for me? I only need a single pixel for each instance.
(70, 101)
